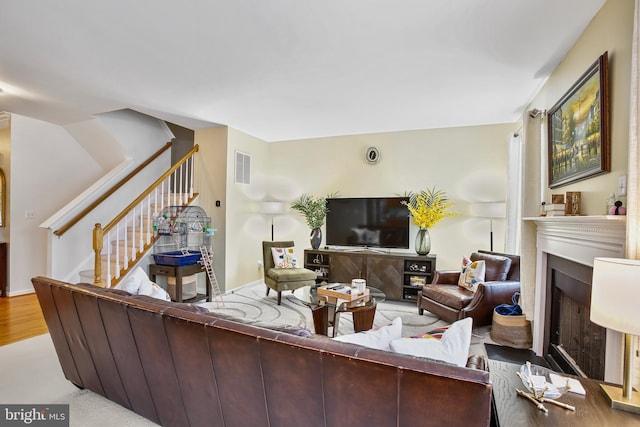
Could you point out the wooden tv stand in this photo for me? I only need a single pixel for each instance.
(390, 272)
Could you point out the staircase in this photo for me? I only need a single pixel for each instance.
(125, 247)
(122, 243)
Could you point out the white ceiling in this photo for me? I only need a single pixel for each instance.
(285, 69)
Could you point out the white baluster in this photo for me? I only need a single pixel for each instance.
(191, 158)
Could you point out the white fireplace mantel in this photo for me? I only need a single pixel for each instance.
(579, 239)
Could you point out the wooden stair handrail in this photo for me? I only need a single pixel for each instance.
(116, 187)
(149, 189)
(99, 231)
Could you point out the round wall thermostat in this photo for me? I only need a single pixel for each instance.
(372, 155)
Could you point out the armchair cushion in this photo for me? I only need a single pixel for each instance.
(497, 266)
(473, 272)
(290, 274)
(453, 296)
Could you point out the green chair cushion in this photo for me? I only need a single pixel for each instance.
(290, 274)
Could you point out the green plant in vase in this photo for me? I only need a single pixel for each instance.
(314, 210)
(427, 207)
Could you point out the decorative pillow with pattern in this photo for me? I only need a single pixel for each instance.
(434, 333)
(452, 348)
(472, 274)
(284, 257)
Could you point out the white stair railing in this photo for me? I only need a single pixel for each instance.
(122, 243)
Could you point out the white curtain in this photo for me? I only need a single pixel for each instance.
(633, 178)
(514, 194)
(530, 207)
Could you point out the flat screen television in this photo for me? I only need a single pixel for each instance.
(381, 222)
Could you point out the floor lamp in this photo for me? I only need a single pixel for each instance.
(272, 208)
(615, 292)
(491, 210)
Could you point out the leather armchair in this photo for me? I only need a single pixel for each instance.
(283, 279)
(444, 298)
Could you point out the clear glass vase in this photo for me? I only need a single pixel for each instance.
(423, 242)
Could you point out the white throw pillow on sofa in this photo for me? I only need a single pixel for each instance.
(153, 290)
(133, 281)
(378, 338)
(453, 347)
(138, 283)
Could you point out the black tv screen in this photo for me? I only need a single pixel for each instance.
(381, 222)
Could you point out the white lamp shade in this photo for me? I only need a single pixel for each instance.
(615, 294)
(271, 207)
(488, 209)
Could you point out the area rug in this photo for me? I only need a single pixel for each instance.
(251, 302)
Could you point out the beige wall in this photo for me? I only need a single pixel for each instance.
(211, 174)
(246, 227)
(241, 228)
(468, 163)
(611, 30)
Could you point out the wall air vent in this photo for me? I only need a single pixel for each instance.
(243, 168)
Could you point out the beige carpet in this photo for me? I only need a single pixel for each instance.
(31, 373)
(250, 302)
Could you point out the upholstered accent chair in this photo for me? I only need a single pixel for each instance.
(444, 298)
(283, 279)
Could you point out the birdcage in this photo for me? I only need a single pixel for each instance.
(182, 232)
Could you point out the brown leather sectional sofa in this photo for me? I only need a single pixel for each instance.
(179, 367)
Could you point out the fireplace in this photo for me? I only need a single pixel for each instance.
(564, 250)
(573, 344)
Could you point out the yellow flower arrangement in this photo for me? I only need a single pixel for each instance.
(428, 207)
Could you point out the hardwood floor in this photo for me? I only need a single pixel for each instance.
(20, 318)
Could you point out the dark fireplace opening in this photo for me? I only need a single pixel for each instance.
(573, 344)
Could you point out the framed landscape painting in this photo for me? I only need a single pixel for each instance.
(578, 128)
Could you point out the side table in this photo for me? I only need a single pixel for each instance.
(179, 273)
(511, 410)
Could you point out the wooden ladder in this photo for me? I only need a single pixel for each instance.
(216, 294)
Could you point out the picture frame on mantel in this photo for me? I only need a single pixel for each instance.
(578, 128)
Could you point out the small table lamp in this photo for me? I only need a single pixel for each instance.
(615, 294)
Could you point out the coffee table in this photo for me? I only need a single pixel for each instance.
(327, 313)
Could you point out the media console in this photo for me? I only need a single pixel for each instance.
(398, 274)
